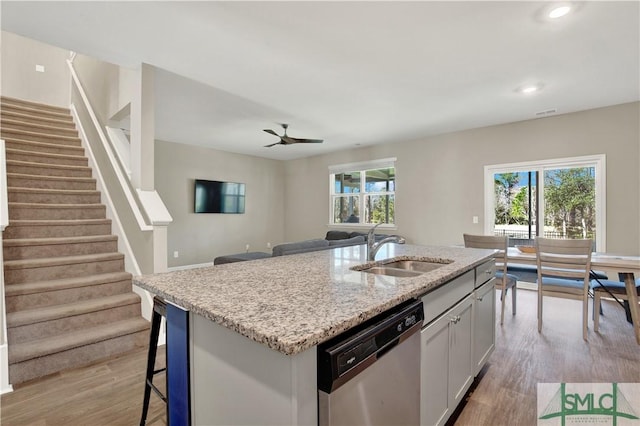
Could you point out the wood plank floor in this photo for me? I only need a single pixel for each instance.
(506, 394)
(110, 392)
(106, 393)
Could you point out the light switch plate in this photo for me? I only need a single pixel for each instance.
(475, 219)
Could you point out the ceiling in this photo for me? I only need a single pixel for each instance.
(351, 73)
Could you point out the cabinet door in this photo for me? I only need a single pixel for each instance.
(460, 351)
(446, 368)
(484, 324)
(434, 370)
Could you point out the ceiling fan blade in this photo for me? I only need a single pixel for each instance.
(298, 140)
(288, 140)
(273, 144)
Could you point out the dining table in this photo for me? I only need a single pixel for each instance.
(623, 266)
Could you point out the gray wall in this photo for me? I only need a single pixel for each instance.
(440, 179)
(20, 79)
(199, 238)
(100, 81)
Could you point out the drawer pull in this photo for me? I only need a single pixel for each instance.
(488, 272)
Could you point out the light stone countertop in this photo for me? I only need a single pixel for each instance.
(292, 303)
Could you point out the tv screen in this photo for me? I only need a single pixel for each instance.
(212, 196)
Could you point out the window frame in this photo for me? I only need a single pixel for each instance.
(597, 161)
(361, 167)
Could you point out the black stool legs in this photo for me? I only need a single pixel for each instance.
(159, 311)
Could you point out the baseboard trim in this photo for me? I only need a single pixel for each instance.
(5, 387)
(194, 266)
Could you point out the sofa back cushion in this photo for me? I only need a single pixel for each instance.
(336, 235)
(300, 247)
(348, 242)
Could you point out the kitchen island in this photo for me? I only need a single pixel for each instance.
(253, 327)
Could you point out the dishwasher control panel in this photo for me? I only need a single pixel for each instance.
(355, 349)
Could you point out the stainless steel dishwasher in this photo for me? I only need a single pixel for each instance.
(370, 375)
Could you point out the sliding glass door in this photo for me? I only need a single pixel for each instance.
(553, 199)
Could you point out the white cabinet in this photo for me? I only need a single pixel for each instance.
(456, 341)
(446, 366)
(484, 329)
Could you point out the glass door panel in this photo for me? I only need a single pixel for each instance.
(515, 206)
(570, 203)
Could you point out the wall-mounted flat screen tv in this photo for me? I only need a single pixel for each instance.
(212, 196)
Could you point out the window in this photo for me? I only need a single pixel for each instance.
(363, 193)
(563, 198)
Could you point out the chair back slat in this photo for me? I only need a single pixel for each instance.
(488, 242)
(563, 258)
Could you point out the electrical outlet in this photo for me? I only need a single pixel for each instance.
(475, 219)
(247, 248)
(268, 245)
(175, 254)
(40, 68)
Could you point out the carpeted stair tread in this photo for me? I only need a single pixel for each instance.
(28, 134)
(59, 240)
(43, 228)
(21, 352)
(58, 222)
(49, 246)
(42, 169)
(35, 146)
(45, 156)
(7, 101)
(13, 124)
(20, 115)
(20, 180)
(60, 206)
(36, 113)
(63, 260)
(57, 178)
(47, 197)
(52, 190)
(49, 313)
(64, 283)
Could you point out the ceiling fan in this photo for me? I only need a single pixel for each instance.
(288, 140)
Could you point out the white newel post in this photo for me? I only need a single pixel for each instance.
(143, 130)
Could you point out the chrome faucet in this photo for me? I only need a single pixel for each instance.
(373, 246)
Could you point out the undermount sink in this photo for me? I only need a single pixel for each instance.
(401, 268)
(394, 272)
(414, 265)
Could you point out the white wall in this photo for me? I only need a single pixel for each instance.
(199, 238)
(440, 179)
(20, 79)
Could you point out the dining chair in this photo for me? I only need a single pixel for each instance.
(504, 281)
(563, 271)
(627, 289)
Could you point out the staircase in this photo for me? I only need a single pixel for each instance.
(68, 298)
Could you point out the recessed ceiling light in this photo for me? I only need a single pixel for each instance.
(559, 12)
(529, 89)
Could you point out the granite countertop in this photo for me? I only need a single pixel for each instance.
(292, 303)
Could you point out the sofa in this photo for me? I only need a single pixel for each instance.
(333, 239)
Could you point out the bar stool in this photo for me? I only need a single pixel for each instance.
(159, 311)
